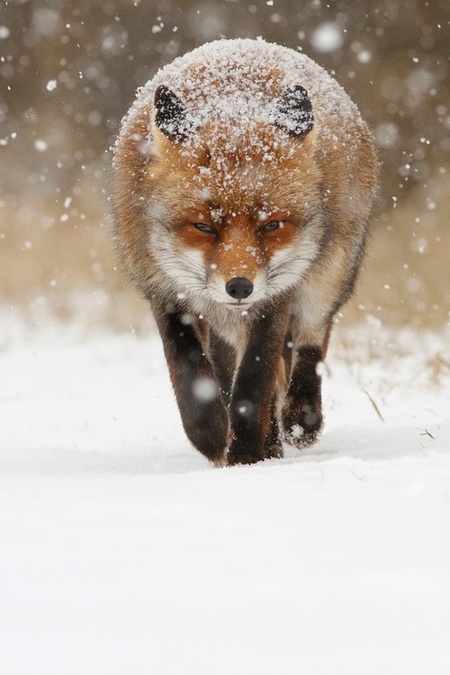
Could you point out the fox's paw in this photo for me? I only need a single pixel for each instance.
(273, 449)
(238, 456)
(299, 437)
(208, 429)
(302, 425)
(244, 455)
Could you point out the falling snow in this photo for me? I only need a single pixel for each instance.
(327, 37)
(40, 145)
(123, 551)
(205, 389)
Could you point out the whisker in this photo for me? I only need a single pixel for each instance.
(189, 270)
(193, 264)
(281, 268)
(193, 283)
(286, 261)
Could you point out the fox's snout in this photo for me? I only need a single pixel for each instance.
(239, 288)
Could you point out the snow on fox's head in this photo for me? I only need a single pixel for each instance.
(233, 193)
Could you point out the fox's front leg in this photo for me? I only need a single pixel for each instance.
(302, 410)
(203, 413)
(253, 406)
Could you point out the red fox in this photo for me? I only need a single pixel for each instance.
(244, 184)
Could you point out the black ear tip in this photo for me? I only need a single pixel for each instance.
(293, 111)
(159, 93)
(163, 95)
(161, 89)
(298, 91)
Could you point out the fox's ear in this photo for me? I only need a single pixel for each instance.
(293, 112)
(171, 116)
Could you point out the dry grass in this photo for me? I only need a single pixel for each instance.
(406, 277)
(62, 264)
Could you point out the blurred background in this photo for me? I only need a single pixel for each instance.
(68, 73)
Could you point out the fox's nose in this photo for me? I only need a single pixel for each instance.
(239, 288)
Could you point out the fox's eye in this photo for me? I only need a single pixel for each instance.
(203, 227)
(270, 227)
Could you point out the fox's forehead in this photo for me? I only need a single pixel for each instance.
(221, 206)
(235, 197)
(221, 194)
(240, 179)
(224, 144)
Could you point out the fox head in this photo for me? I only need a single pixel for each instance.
(233, 194)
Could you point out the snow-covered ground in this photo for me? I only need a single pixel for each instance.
(124, 552)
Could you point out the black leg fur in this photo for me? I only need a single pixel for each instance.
(273, 447)
(302, 410)
(223, 357)
(252, 407)
(203, 413)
